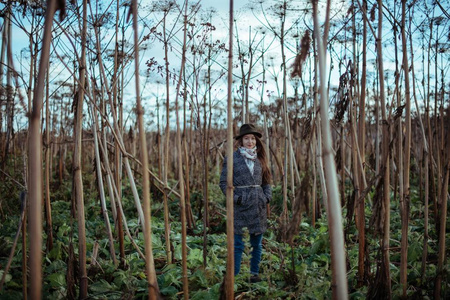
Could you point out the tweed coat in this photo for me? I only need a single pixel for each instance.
(251, 210)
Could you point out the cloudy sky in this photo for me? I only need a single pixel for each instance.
(244, 17)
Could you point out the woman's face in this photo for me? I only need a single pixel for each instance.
(249, 141)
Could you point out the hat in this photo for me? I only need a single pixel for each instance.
(247, 129)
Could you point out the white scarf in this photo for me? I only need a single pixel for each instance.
(250, 156)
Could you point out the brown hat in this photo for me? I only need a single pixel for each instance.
(247, 129)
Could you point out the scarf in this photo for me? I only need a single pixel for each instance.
(250, 156)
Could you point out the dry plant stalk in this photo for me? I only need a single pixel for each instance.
(153, 289)
(338, 261)
(229, 278)
(406, 185)
(77, 172)
(180, 169)
(35, 160)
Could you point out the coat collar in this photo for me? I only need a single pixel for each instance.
(257, 168)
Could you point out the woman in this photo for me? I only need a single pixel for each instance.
(252, 193)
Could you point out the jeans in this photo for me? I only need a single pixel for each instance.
(256, 243)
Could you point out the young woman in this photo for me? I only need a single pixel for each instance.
(252, 193)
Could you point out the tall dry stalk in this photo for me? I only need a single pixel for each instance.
(24, 256)
(429, 128)
(2, 71)
(443, 170)
(313, 138)
(48, 207)
(101, 188)
(153, 289)
(383, 285)
(47, 170)
(120, 211)
(118, 155)
(399, 158)
(166, 148)
(287, 153)
(425, 212)
(340, 290)
(33, 59)
(229, 279)
(442, 230)
(317, 136)
(190, 216)
(362, 148)
(9, 136)
(205, 173)
(77, 174)
(343, 150)
(35, 160)
(436, 127)
(425, 160)
(116, 131)
(406, 197)
(180, 168)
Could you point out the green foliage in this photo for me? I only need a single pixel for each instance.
(102, 286)
(195, 258)
(212, 292)
(298, 271)
(56, 280)
(8, 277)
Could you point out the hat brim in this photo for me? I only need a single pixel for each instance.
(254, 132)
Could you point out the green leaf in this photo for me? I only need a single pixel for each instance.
(323, 228)
(357, 296)
(195, 258)
(56, 253)
(63, 230)
(11, 295)
(169, 291)
(101, 287)
(414, 251)
(121, 277)
(200, 278)
(211, 293)
(177, 252)
(56, 266)
(315, 247)
(57, 280)
(8, 277)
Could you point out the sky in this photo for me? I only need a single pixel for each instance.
(244, 18)
(150, 91)
(221, 17)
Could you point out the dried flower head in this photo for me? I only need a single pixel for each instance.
(302, 55)
(372, 12)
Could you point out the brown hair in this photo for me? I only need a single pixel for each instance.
(262, 156)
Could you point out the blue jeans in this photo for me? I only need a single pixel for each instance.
(256, 243)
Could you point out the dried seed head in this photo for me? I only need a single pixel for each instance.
(372, 13)
(61, 6)
(301, 57)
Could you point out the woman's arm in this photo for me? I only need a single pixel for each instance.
(223, 177)
(267, 189)
(223, 183)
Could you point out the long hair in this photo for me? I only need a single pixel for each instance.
(263, 159)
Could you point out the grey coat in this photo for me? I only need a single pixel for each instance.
(251, 210)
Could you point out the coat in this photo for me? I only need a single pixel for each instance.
(251, 210)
